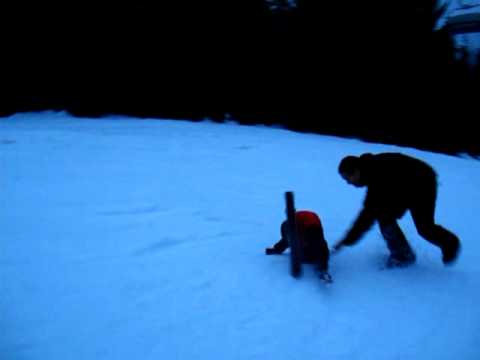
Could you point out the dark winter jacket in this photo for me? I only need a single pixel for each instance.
(395, 183)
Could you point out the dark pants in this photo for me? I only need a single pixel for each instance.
(398, 245)
(423, 215)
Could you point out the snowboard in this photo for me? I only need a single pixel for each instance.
(295, 248)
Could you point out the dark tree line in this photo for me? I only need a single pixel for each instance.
(374, 69)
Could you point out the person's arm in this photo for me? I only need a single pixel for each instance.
(323, 259)
(362, 224)
(278, 248)
(320, 246)
(323, 264)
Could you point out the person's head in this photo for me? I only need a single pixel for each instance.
(350, 170)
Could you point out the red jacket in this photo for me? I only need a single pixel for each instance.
(306, 218)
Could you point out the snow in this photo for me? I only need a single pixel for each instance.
(144, 239)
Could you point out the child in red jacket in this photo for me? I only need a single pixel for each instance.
(310, 234)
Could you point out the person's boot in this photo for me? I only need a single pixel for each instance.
(450, 250)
